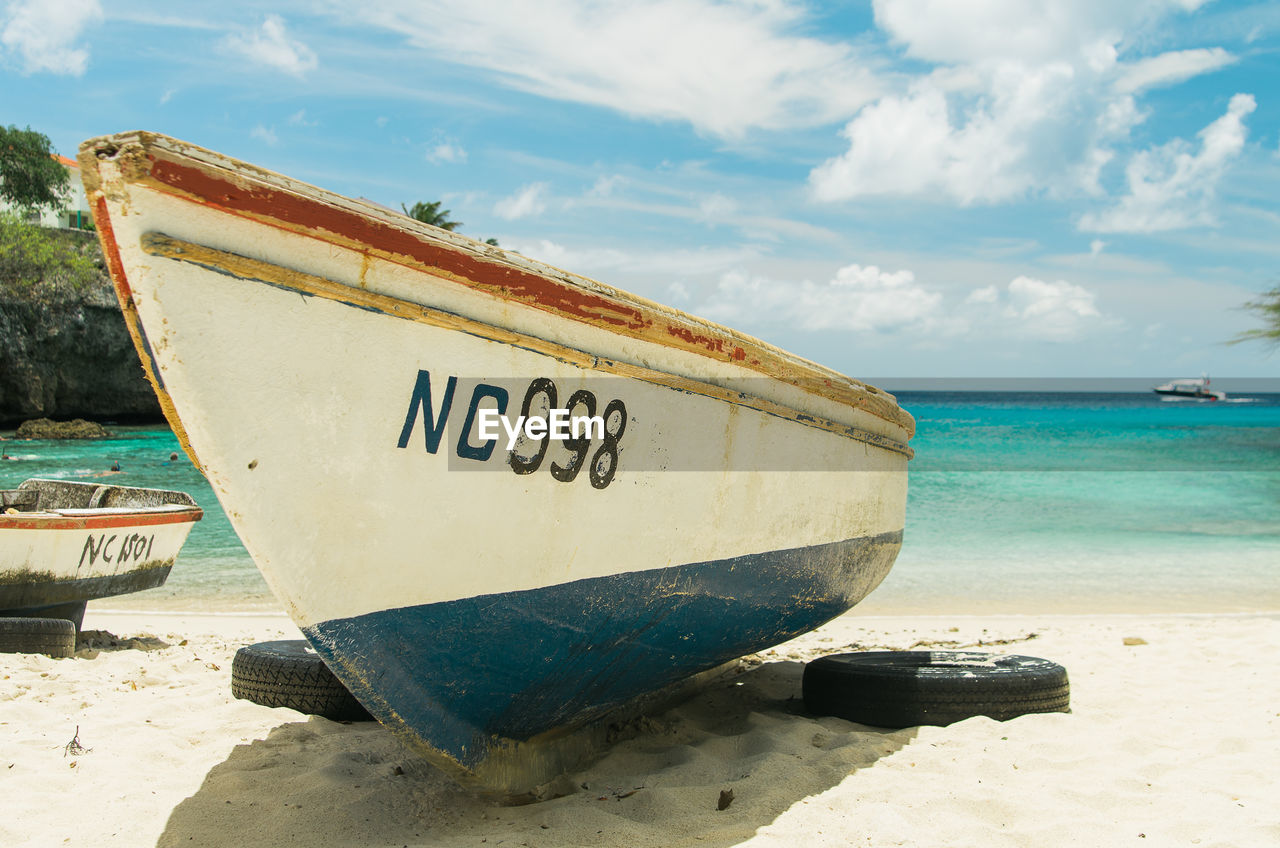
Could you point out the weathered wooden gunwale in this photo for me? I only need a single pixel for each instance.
(98, 521)
(207, 178)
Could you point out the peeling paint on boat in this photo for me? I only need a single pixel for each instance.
(324, 362)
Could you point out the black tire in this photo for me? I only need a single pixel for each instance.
(72, 611)
(53, 636)
(288, 673)
(911, 688)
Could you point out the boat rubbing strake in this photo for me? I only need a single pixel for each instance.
(339, 372)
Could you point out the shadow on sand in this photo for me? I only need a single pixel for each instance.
(660, 783)
(90, 643)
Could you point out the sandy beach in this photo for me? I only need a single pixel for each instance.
(1171, 740)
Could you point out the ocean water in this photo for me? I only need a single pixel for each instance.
(1089, 503)
(213, 572)
(1018, 502)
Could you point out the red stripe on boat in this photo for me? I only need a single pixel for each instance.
(30, 521)
(299, 211)
(103, 222)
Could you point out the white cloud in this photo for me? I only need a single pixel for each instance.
(715, 208)
(604, 186)
(1169, 68)
(987, 294)
(272, 46)
(650, 265)
(996, 136)
(1024, 98)
(859, 298)
(582, 261)
(1055, 303)
(1172, 186)
(1042, 32)
(856, 298)
(43, 33)
(678, 292)
(724, 66)
(299, 119)
(1033, 309)
(868, 299)
(446, 152)
(265, 135)
(525, 203)
(1032, 33)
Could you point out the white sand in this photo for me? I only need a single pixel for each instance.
(1171, 742)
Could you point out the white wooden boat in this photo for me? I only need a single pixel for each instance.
(64, 543)
(327, 364)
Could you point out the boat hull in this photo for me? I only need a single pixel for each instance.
(69, 552)
(1192, 394)
(329, 369)
(562, 655)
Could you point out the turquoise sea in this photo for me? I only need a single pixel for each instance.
(1019, 502)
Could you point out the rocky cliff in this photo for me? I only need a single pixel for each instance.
(65, 351)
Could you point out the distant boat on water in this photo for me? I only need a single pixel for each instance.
(329, 365)
(1190, 387)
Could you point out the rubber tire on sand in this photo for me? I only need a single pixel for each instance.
(911, 688)
(53, 636)
(288, 673)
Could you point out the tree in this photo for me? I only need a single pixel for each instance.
(1268, 308)
(431, 213)
(30, 176)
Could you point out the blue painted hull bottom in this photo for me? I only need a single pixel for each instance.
(461, 679)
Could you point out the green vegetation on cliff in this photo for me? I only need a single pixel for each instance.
(41, 265)
(64, 349)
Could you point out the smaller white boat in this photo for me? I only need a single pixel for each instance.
(63, 543)
(1192, 387)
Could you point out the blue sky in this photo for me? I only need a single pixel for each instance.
(900, 188)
